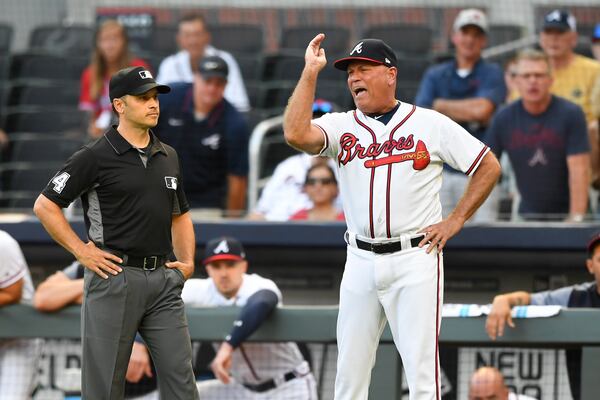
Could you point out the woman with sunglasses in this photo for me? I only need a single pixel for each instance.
(322, 189)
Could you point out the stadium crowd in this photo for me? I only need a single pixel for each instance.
(540, 111)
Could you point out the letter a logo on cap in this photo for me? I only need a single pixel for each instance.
(357, 48)
(145, 74)
(222, 247)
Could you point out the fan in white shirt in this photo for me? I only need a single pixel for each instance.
(193, 38)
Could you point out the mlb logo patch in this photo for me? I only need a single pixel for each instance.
(145, 74)
(171, 182)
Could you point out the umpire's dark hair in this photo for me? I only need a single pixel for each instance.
(321, 165)
(593, 245)
(193, 16)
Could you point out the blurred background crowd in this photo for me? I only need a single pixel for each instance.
(521, 76)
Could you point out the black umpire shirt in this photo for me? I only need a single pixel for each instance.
(128, 196)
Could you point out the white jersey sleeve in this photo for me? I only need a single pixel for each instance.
(458, 148)
(197, 293)
(12, 263)
(13, 267)
(252, 284)
(332, 125)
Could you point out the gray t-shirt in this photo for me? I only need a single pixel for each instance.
(74, 270)
(558, 297)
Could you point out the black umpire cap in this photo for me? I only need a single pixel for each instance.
(223, 248)
(374, 50)
(133, 81)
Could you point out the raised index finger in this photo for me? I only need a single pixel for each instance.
(316, 42)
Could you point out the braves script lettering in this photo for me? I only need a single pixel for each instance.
(350, 149)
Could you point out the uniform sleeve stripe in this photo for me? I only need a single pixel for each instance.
(12, 279)
(326, 136)
(475, 163)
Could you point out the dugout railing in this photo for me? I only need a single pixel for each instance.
(570, 328)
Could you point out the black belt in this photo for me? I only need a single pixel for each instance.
(387, 247)
(148, 263)
(270, 384)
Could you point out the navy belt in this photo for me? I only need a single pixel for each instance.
(270, 384)
(387, 247)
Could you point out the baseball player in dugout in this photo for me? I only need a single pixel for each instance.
(136, 217)
(259, 371)
(389, 157)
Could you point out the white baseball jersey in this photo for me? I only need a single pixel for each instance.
(18, 357)
(390, 175)
(252, 362)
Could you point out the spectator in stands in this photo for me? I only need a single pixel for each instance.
(487, 383)
(546, 140)
(596, 42)
(111, 53)
(468, 90)
(575, 76)
(65, 288)
(585, 295)
(283, 195)
(18, 357)
(510, 78)
(322, 190)
(211, 138)
(194, 38)
(244, 370)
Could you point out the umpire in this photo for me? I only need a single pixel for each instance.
(136, 215)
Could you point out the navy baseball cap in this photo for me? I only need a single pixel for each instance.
(560, 20)
(223, 248)
(213, 67)
(373, 50)
(133, 81)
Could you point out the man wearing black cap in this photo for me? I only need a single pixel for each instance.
(585, 295)
(575, 76)
(136, 217)
(389, 158)
(211, 138)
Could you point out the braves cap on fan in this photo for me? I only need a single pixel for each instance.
(133, 81)
(373, 50)
(223, 248)
(471, 17)
(213, 67)
(560, 20)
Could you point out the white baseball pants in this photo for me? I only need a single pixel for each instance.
(405, 287)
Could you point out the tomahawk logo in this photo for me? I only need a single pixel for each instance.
(553, 16)
(171, 182)
(145, 74)
(357, 49)
(222, 247)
